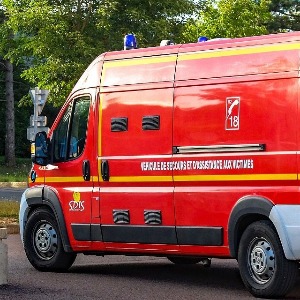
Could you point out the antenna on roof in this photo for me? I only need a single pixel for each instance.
(166, 43)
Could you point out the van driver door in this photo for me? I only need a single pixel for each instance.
(72, 173)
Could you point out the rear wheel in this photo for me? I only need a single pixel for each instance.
(263, 267)
(43, 245)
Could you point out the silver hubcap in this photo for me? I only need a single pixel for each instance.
(45, 240)
(261, 260)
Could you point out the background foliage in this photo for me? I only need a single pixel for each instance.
(51, 42)
(58, 39)
(229, 19)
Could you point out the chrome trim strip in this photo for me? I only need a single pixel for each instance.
(219, 148)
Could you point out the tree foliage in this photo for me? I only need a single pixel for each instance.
(151, 20)
(229, 19)
(286, 16)
(57, 39)
(53, 41)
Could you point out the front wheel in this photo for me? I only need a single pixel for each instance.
(43, 245)
(263, 267)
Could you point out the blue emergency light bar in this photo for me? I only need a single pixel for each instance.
(130, 42)
(202, 39)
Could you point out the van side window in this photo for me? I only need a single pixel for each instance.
(70, 134)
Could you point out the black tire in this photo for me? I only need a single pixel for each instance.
(43, 245)
(264, 269)
(184, 260)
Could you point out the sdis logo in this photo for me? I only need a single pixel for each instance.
(76, 204)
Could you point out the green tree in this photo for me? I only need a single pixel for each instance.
(7, 67)
(49, 43)
(286, 15)
(229, 19)
(151, 20)
(57, 39)
(54, 40)
(13, 140)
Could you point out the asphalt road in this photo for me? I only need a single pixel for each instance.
(12, 194)
(123, 278)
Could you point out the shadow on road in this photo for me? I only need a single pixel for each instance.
(197, 275)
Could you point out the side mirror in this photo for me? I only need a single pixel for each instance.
(41, 154)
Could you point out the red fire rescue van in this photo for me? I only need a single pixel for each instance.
(185, 151)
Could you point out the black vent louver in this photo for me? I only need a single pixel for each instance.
(121, 216)
(119, 124)
(151, 123)
(152, 217)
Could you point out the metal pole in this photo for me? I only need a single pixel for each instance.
(35, 111)
(3, 257)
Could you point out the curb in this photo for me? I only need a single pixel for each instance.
(11, 228)
(13, 184)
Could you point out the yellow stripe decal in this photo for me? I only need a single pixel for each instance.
(69, 179)
(203, 54)
(38, 180)
(238, 51)
(100, 127)
(249, 177)
(64, 179)
(242, 177)
(140, 179)
(245, 177)
(140, 61)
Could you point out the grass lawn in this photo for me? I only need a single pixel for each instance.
(18, 173)
(9, 212)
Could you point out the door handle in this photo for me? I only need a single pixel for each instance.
(105, 170)
(86, 170)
